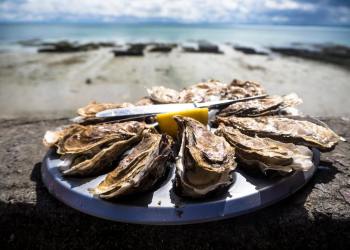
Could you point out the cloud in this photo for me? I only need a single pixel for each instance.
(289, 5)
(184, 11)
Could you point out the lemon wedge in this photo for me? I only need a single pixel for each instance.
(168, 125)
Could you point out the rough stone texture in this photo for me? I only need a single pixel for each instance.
(318, 216)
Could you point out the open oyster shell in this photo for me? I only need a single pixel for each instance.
(89, 150)
(266, 153)
(269, 105)
(285, 129)
(140, 170)
(205, 161)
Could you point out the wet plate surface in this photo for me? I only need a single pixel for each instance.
(163, 206)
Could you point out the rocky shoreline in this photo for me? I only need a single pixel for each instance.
(329, 53)
(335, 54)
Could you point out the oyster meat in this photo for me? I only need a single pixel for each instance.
(285, 129)
(269, 105)
(140, 170)
(205, 161)
(89, 150)
(266, 153)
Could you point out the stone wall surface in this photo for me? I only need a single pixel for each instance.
(317, 216)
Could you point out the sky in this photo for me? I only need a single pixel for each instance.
(304, 12)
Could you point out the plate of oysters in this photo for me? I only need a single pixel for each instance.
(185, 167)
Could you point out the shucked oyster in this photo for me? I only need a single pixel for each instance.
(285, 129)
(89, 150)
(269, 105)
(139, 170)
(205, 161)
(266, 153)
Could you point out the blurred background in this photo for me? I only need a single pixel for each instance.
(58, 55)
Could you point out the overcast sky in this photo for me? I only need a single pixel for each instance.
(317, 12)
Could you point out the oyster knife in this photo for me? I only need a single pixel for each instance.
(165, 108)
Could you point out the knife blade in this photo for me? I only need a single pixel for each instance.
(145, 110)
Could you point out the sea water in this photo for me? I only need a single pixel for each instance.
(247, 35)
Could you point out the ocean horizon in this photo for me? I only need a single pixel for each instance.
(247, 35)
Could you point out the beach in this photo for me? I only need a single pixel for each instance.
(54, 85)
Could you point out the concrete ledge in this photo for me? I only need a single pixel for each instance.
(318, 216)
